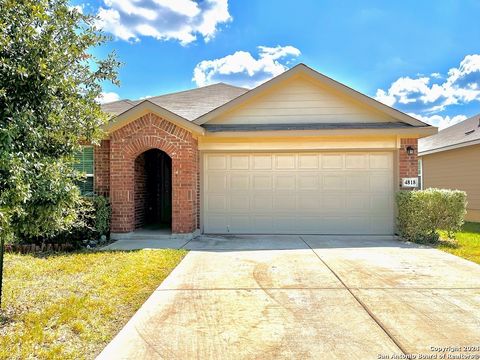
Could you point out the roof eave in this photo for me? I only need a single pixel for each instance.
(417, 132)
(449, 147)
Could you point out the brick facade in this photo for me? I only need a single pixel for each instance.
(120, 168)
(408, 164)
(102, 168)
(130, 141)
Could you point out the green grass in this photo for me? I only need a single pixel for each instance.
(69, 306)
(467, 243)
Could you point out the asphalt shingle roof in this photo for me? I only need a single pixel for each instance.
(461, 133)
(189, 104)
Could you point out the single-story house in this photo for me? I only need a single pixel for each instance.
(299, 154)
(451, 160)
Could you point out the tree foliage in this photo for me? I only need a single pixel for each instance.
(49, 83)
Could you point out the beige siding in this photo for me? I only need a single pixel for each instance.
(456, 169)
(300, 101)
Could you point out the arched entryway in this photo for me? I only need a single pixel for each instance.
(153, 190)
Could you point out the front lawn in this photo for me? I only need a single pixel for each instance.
(69, 306)
(468, 243)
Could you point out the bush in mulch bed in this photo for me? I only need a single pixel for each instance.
(91, 230)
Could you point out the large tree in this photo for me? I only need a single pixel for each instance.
(49, 85)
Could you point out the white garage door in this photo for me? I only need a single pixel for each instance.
(298, 193)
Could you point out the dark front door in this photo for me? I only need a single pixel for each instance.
(153, 190)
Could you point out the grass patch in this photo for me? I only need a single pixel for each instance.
(69, 306)
(467, 244)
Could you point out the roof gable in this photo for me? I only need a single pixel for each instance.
(146, 107)
(188, 104)
(302, 95)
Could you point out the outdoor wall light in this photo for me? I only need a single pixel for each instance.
(410, 150)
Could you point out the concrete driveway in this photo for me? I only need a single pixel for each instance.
(307, 297)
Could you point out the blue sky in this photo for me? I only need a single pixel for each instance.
(422, 57)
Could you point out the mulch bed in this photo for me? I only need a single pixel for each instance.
(32, 248)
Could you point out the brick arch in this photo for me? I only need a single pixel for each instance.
(139, 146)
(145, 133)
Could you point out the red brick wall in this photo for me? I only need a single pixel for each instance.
(102, 168)
(408, 164)
(148, 132)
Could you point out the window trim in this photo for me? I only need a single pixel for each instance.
(420, 172)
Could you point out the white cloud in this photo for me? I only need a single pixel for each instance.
(460, 86)
(107, 97)
(440, 121)
(242, 69)
(78, 8)
(180, 20)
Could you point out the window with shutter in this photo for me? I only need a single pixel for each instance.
(84, 164)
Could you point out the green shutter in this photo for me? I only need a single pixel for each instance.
(84, 164)
(88, 160)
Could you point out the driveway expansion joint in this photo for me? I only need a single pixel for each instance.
(255, 288)
(360, 302)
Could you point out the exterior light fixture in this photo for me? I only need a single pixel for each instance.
(410, 150)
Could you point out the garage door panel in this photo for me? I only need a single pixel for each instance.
(380, 204)
(216, 202)
(239, 202)
(332, 202)
(285, 182)
(262, 224)
(262, 162)
(357, 202)
(354, 224)
(238, 223)
(217, 182)
(263, 202)
(381, 225)
(309, 202)
(239, 182)
(357, 181)
(216, 223)
(308, 161)
(331, 224)
(356, 161)
(284, 225)
(285, 162)
(304, 193)
(263, 182)
(308, 181)
(332, 161)
(284, 202)
(217, 162)
(239, 162)
(381, 183)
(381, 161)
(333, 182)
(309, 225)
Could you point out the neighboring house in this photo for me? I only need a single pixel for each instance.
(451, 160)
(299, 154)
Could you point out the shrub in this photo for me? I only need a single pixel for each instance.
(94, 219)
(422, 212)
(102, 212)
